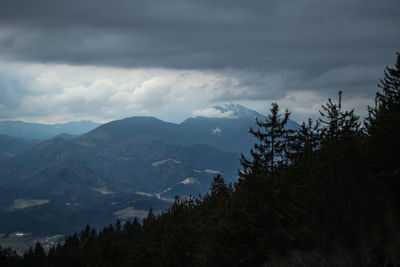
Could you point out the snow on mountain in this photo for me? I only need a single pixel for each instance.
(227, 111)
(214, 113)
(189, 180)
(237, 110)
(217, 131)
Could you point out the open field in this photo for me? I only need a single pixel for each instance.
(130, 212)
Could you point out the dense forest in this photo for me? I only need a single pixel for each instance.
(326, 194)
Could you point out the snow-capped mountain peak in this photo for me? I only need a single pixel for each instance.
(237, 110)
(228, 111)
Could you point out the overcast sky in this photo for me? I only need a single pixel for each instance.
(109, 59)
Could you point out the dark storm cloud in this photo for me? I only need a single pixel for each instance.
(200, 34)
(309, 40)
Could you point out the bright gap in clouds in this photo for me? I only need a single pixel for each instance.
(55, 93)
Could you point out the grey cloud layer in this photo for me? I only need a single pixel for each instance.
(311, 35)
(260, 50)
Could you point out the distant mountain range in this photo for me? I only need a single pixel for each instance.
(44, 131)
(119, 169)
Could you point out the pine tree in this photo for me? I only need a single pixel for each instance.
(304, 144)
(149, 220)
(269, 152)
(219, 189)
(390, 85)
(383, 122)
(383, 147)
(338, 176)
(338, 122)
(264, 194)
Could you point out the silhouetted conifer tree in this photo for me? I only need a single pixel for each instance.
(269, 151)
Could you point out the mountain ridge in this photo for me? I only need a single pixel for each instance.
(29, 130)
(113, 162)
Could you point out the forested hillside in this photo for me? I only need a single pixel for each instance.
(323, 195)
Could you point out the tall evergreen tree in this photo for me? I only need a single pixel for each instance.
(338, 174)
(383, 122)
(336, 122)
(304, 144)
(264, 194)
(269, 152)
(383, 147)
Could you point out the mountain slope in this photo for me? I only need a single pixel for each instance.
(227, 134)
(11, 146)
